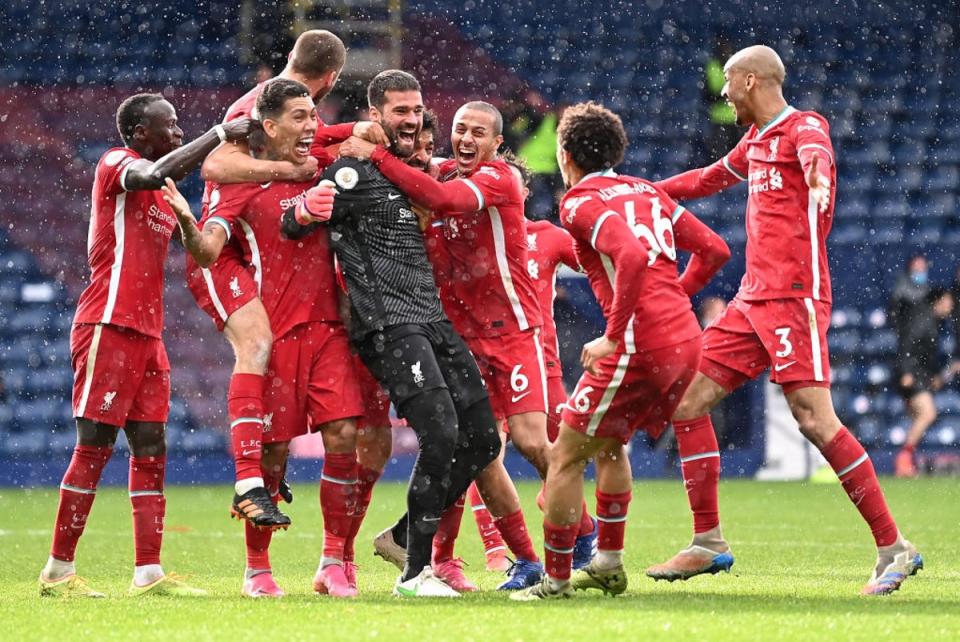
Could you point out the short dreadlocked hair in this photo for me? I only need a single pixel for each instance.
(131, 113)
(510, 158)
(593, 136)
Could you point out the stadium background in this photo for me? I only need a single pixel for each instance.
(890, 92)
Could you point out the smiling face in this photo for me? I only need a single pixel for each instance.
(159, 133)
(474, 138)
(423, 154)
(736, 91)
(401, 117)
(290, 134)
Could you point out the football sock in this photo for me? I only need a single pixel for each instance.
(859, 479)
(586, 522)
(608, 560)
(611, 522)
(245, 412)
(338, 496)
(485, 524)
(447, 531)
(558, 542)
(366, 478)
(56, 569)
(258, 541)
(149, 507)
(147, 574)
(513, 529)
(77, 491)
(700, 465)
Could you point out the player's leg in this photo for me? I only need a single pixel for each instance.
(338, 497)
(494, 548)
(564, 499)
(614, 482)
(374, 446)
(897, 558)
(248, 331)
(258, 578)
(77, 491)
(732, 354)
(923, 412)
(147, 471)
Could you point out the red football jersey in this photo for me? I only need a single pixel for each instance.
(786, 232)
(439, 257)
(663, 315)
(488, 254)
(548, 246)
(296, 279)
(126, 249)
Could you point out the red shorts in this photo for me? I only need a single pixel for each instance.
(119, 375)
(789, 335)
(556, 399)
(633, 392)
(223, 288)
(310, 381)
(376, 400)
(513, 370)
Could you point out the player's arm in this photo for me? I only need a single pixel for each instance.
(568, 253)
(704, 181)
(145, 175)
(232, 163)
(815, 152)
(204, 245)
(608, 233)
(336, 134)
(456, 196)
(709, 251)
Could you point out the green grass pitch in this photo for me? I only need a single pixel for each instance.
(802, 555)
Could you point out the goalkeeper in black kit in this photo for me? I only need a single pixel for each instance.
(398, 325)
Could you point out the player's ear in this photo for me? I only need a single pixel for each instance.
(269, 127)
(499, 140)
(375, 114)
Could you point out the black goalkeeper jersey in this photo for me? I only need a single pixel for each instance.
(380, 249)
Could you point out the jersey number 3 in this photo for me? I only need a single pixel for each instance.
(658, 238)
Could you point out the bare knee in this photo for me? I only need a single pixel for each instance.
(374, 446)
(146, 439)
(339, 436)
(699, 399)
(275, 457)
(248, 330)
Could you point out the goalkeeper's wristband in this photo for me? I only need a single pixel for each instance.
(221, 133)
(300, 213)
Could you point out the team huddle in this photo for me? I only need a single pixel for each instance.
(350, 270)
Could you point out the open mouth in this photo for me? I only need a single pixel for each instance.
(407, 137)
(466, 155)
(302, 148)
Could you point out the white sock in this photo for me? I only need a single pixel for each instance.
(607, 560)
(147, 574)
(327, 561)
(56, 569)
(556, 585)
(253, 572)
(248, 484)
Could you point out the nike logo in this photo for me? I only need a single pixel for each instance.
(405, 592)
(517, 398)
(393, 197)
(247, 453)
(159, 531)
(430, 519)
(783, 366)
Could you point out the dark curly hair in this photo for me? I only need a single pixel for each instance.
(274, 95)
(593, 136)
(510, 158)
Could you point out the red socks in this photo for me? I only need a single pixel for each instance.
(586, 522)
(77, 491)
(514, 532)
(700, 463)
(611, 520)
(258, 542)
(149, 507)
(492, 541)
(447, 531)
(338, 499)
(859, 479)
(558, 543)
(366, 478)
(245, 412)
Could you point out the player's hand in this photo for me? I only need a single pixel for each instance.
(594, 351)
(302, 172)
(240, 128)
(372, 132)
(177, 202)
(423, 216)
(907, 380)
(357, 148)
(317, 207)
(818, 183)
